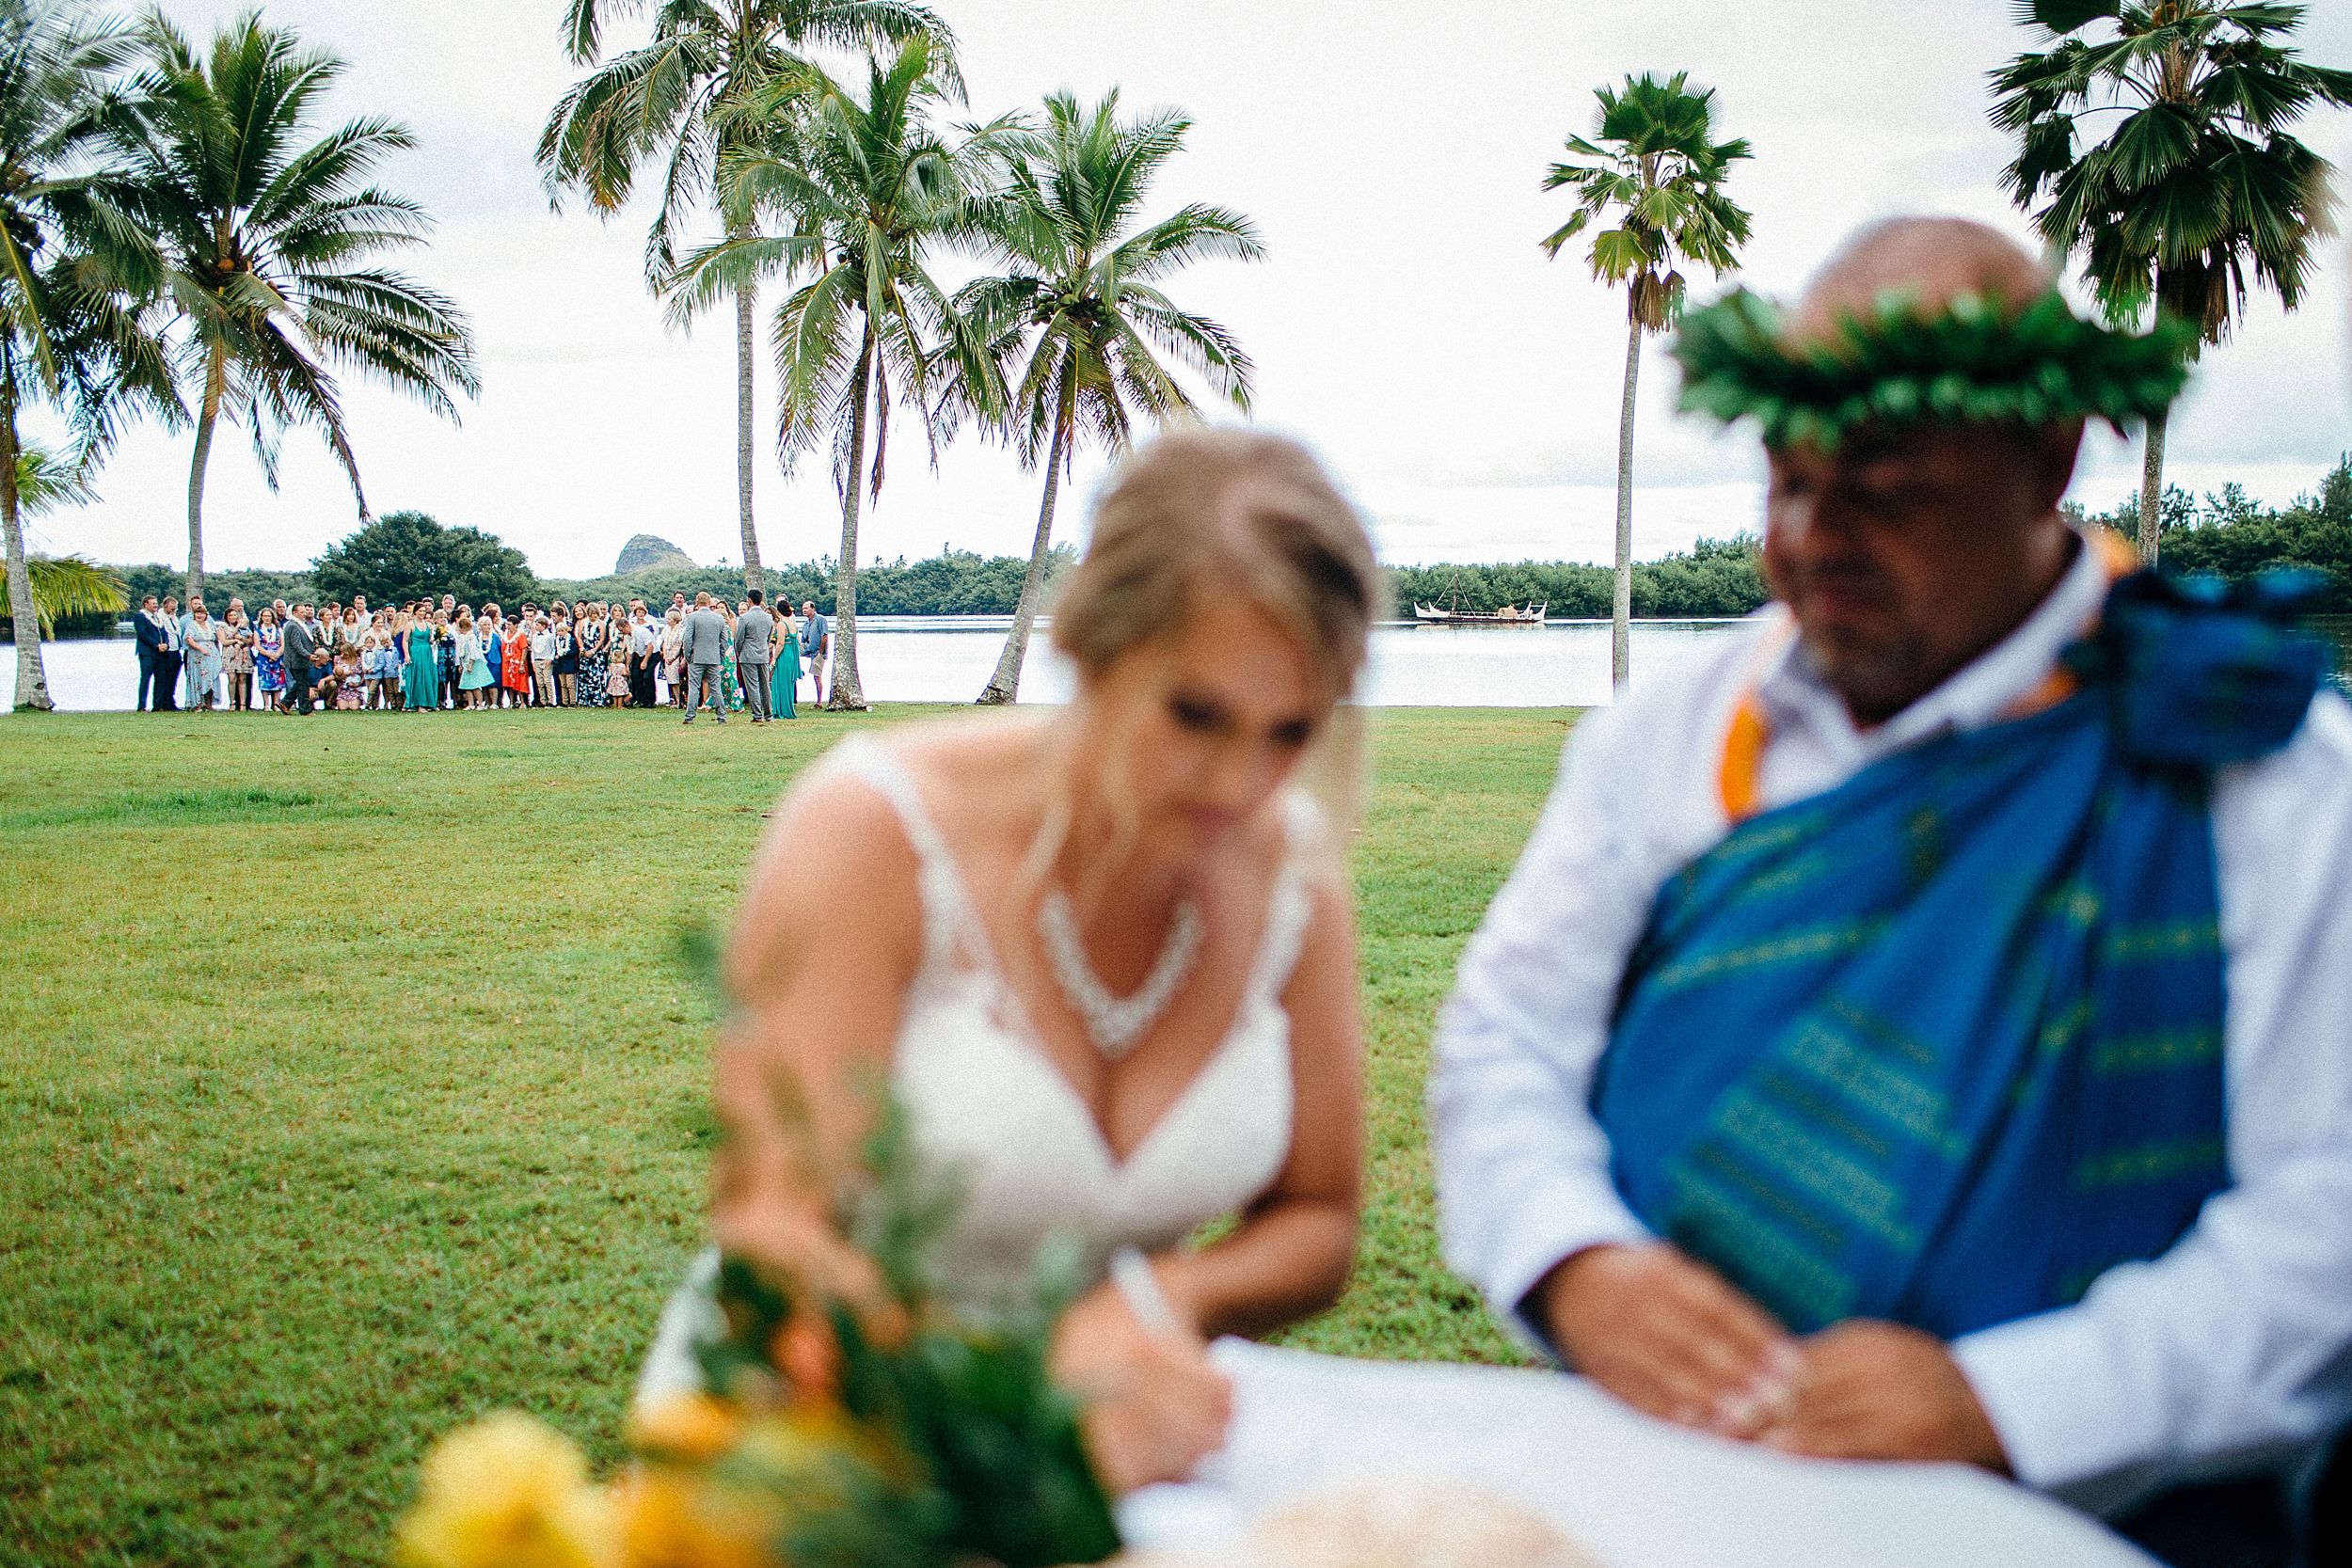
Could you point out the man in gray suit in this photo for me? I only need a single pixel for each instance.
(703, 640)
(755, 653)
(301, 636)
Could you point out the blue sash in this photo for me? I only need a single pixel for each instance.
(1943, 1044)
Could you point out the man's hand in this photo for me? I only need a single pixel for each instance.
(1875, 1390)
(1669, 1336)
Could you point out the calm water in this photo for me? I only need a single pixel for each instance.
(949, 659)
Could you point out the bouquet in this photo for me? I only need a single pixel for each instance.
(909, 1436)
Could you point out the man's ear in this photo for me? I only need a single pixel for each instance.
(2057, 450)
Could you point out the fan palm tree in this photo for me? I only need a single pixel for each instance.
(865, 188)
(2196, 193)
(267, 240)
(70, 264)
(677, 100)
(1082, 293)
(1656, 174)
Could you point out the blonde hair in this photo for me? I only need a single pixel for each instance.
(1199, 512)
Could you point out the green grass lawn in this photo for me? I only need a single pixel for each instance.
(349, 1087)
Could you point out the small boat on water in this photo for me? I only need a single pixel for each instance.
(1509, 615)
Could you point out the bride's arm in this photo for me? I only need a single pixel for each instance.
(1288, 1256)
(825, 944)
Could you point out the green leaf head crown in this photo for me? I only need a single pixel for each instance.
(1977, 362)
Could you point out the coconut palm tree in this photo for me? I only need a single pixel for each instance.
(1656, 174)
(60, 584)
(267, 239)
(1082, 293)
(865, 188)
(70, 264)
(674, 101)
(2196, 193)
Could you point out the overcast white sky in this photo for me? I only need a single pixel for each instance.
(1405, 321)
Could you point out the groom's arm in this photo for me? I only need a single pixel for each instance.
(1522, 1167)
(1526, 1201)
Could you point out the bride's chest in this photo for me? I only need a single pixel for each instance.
(1029, 1157)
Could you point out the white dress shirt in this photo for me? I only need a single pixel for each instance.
(2235, 1346)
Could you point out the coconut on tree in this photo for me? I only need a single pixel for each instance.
(1082, 307)
(2194, 194)
(680, 100)
(268, 235)
(1654, 174)
(72, 336)
(861, 189)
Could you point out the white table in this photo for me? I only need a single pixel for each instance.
(1633, 1492)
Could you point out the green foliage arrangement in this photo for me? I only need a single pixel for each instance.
(1977, 362)
(404, 555)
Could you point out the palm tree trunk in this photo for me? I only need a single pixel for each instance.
(215, 378)
(1005, 685)
(1621, 598)
(2152, 486)
(848, 694)
(746, 307)
(32, 680)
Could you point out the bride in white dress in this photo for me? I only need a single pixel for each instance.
(1103, 958)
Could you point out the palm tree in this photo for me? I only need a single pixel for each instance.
(2195, 186)
(60, 584)
(1658, 172)
(69, 262)
(267, 240)
(674, 101)
(1083, 290)
(864, 187)
(69, 585)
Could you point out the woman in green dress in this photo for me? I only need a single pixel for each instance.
(423, 684)
(786, 678)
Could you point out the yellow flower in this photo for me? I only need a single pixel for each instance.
(672, 1519)
(696, 1426)
(508, 1493)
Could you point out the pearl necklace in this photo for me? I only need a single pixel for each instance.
(1115, 1023)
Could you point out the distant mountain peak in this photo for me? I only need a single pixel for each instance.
(650, 549)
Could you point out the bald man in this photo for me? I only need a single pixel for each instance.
(1920, 1033)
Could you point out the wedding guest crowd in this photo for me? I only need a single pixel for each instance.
(424, 656)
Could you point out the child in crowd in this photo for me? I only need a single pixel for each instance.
(349, 696)
(377, 669)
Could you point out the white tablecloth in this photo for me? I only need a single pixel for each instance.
(1633, 1492)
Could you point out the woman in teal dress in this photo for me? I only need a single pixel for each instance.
(423, 687)
(786, 679)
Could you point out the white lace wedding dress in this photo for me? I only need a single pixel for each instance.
(987, 1106)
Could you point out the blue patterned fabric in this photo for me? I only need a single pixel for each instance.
(1943, 1044)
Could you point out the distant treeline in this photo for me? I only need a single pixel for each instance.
(1717, 577)
(956, 583)
(2233, 537)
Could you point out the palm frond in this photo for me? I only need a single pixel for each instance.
(67, 585)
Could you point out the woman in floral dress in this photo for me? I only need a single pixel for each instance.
(730, 690)
(592, 641)
(269, 657)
